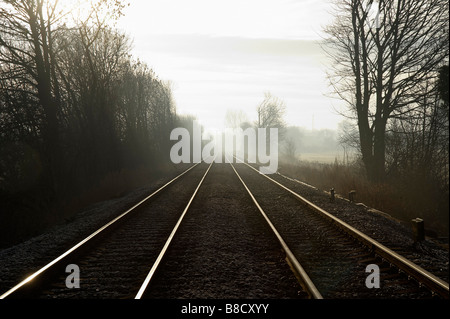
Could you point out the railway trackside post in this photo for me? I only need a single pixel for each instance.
(418, 228)
(351, 196)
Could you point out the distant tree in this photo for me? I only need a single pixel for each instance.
(290, 151)
(235, 118)
(348, 135)
(271, 112)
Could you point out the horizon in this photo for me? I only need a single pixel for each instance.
(215, 66)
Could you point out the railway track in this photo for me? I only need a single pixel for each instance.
(112, 256)
(335, 254)
(230, 241)
(238, 254)
(114, 259)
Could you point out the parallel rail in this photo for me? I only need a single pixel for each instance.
(149, 277)
(67, 253)
(300, 272)
(422, 276)
(33, 281)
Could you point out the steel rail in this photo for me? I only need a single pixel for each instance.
(434, 283)
(84, 241)
(169, 240)
(305, 280)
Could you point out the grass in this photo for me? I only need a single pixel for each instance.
(403, 198)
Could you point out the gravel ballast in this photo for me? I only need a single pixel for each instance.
(20, 260)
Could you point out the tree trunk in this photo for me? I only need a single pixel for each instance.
(50, 131)
(381, 115)
(379, 153)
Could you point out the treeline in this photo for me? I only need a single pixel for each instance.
(74, 105)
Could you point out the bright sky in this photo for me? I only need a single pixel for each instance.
(226, 54)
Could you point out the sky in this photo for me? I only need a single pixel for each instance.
(224, 55)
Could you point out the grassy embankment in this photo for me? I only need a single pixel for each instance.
(404, 198)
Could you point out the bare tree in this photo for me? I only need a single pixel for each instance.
(235, 118)
(27, 48)
(381, 62)
(72, 100)
(270, 112)
(348, 135)
(290, 150)
(32, 38)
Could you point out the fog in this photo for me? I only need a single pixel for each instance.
(219, 57)
(310, 145)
